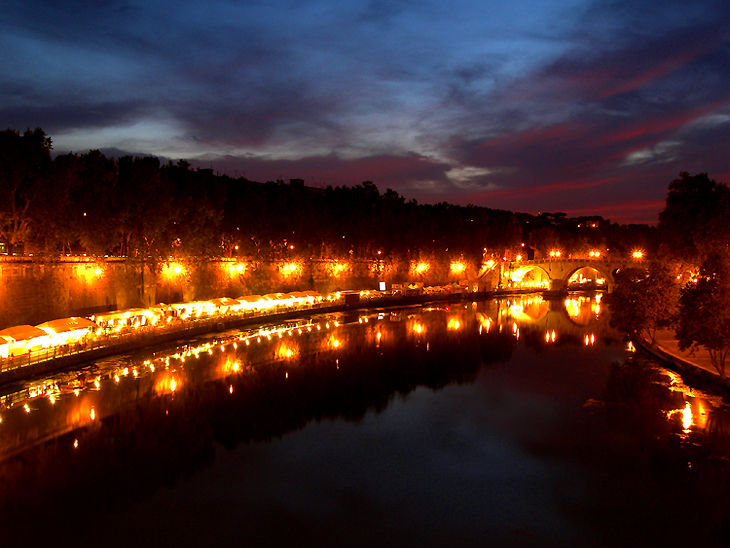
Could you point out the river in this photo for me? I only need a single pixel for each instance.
(513, 422)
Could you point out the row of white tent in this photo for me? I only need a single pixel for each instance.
(21, 339)
(205, 309)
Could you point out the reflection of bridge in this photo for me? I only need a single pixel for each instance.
(558, 272)
(575, 317)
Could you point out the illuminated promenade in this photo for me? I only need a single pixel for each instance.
(126, 331)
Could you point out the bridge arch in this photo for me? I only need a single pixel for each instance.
(601, 280)
(528, 276)
(555, 273)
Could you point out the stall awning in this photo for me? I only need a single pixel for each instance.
(67, 324)
(22, 333)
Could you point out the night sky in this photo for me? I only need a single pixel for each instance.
(586, 107)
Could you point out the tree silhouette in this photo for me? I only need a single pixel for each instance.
(704, 311)
(24, 161)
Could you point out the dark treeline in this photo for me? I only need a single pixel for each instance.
(140, 207)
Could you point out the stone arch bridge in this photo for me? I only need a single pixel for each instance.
(559, 271)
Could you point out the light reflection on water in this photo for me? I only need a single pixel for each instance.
(534, 370)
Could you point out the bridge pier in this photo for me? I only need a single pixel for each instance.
(558, 284)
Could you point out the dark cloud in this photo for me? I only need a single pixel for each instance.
(404, 173)
(575, 106)
(58, 117)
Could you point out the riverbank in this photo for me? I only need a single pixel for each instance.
(696, 366)
(49, 360)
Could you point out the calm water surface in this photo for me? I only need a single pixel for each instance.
(518, 422)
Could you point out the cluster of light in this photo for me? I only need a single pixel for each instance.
(485, 323)
(573, 306)
(594, 254)
(90, 273)
(457, 267)
(171, 270)
(686, 416)
(550, 336)
(237, 268)
(454, 324)
(531, 284)
(422, 268)
(518, 258)
(519, 281)
(67, 331)
(170, 382)
(555, 253)
(578, 278)
(333, 342)
(638, 254)
(589, 340)
(289, 269)
(286, 349)
(338, 268)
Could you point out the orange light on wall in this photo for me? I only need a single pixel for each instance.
(289, 270)
(236, 269)
(420, 268)
(338, 268)
(172, 270)
(457, 267)
(90, 273)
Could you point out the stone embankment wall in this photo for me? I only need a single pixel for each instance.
(34, 289)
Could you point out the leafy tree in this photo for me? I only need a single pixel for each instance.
(696, 218)
(704, 311)
(24, 160)
(144, 198)
(54, 205)
(644, 302)
(96, 215)
(194, 229)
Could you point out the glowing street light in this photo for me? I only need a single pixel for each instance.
(457, 267)
(638, 254)
(421, 268)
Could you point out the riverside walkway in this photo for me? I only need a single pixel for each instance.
(45, 360)
(696, 364)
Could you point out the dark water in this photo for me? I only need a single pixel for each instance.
(511, 423)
